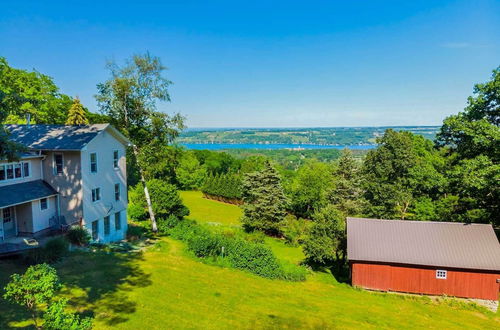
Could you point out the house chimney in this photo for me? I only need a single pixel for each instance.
(28, 119)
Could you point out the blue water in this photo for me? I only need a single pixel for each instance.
(222, 146)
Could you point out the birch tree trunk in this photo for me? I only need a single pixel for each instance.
(154, 227)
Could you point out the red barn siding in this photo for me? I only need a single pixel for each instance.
(415, 279)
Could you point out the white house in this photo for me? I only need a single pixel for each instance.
(69, 175)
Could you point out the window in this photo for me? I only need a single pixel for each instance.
(14, 171)
(96, 194)
(58, 164)
(7, 215)
(117, 191)
(44, 204)
(115, 159)
(18, 171)
(26, 169)
(107, 225)
(10, 172)
(95, 230)
(441, 274)
(93, 162)
(118, 223)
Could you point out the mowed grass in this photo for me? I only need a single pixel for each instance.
(207, 210)
(166, 288)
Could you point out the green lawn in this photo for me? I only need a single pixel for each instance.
(165, 287)
(207, 210)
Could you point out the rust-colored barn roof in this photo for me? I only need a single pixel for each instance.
(439, 244)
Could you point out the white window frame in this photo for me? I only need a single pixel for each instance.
(116, 161)
(44, 209)
(55, 164)
(441, 274)
(96, 162)
(96, 192)
(13, 166)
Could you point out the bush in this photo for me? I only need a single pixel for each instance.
(234, 250)
(166, 200)
(135, 232)
(78, 236)
(164, 225)
(53, 251)
(294, 230)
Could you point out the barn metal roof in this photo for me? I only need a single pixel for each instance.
(439, 244)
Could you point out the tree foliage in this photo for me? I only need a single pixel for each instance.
(57, 318)
(166, 199)
(77, 114)
(33, 289)
(265, 203)
(325, 243)
(225, 185)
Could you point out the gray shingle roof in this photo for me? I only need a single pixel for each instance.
(24, 192)
(54, 137)
(439, 244)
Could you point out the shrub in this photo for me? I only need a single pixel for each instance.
(294, 230)
(55, 249)
(164, 225)
(78, 236)
(56, 318)
(166, 200)
(135, 232)
(137, 212)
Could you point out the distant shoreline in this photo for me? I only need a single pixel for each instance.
(273, 146)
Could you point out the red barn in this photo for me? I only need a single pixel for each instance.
(435, 258)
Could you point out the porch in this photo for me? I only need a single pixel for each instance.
(19, 244)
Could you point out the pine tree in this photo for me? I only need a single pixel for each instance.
(76, 114)
(265, 203)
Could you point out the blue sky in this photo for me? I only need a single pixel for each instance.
(270, 63)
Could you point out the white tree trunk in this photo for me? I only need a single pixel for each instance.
(154, 227)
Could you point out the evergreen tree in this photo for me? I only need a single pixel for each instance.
(265, 203)
(346, 195)
(76, 114)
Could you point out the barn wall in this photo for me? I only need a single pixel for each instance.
(459, 283)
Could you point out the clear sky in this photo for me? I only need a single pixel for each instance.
(270, 63)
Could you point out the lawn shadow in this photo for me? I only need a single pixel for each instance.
(97, 283)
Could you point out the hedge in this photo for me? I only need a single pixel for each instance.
(226, 186)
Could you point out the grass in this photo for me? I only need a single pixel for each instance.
(207, 210)
(165, 287)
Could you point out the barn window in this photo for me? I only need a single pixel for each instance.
(441, 274)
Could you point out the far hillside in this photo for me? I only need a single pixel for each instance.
(316, 136)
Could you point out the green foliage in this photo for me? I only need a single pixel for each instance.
(309, 188)
(29, 92)
(326, 243)
(130, 96)
(347, 192)
(166, 200)
(402, 169)
(227, 186)
(57, 318)
(79, 236)
(294, 230)
(265, 203)
(189, 173)
(237, 251)
(77, 114)
(33, 289)
(472, 138)
(54, 250)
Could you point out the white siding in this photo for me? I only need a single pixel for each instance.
(41, 218)
(106, 177)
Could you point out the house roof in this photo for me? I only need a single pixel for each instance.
(19, 193)
(439, 244)
(58, 137)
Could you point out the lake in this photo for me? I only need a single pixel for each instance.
(223, 146)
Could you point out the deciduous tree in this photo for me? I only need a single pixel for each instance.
(130, 98)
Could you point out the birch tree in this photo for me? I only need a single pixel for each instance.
(130, 98)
